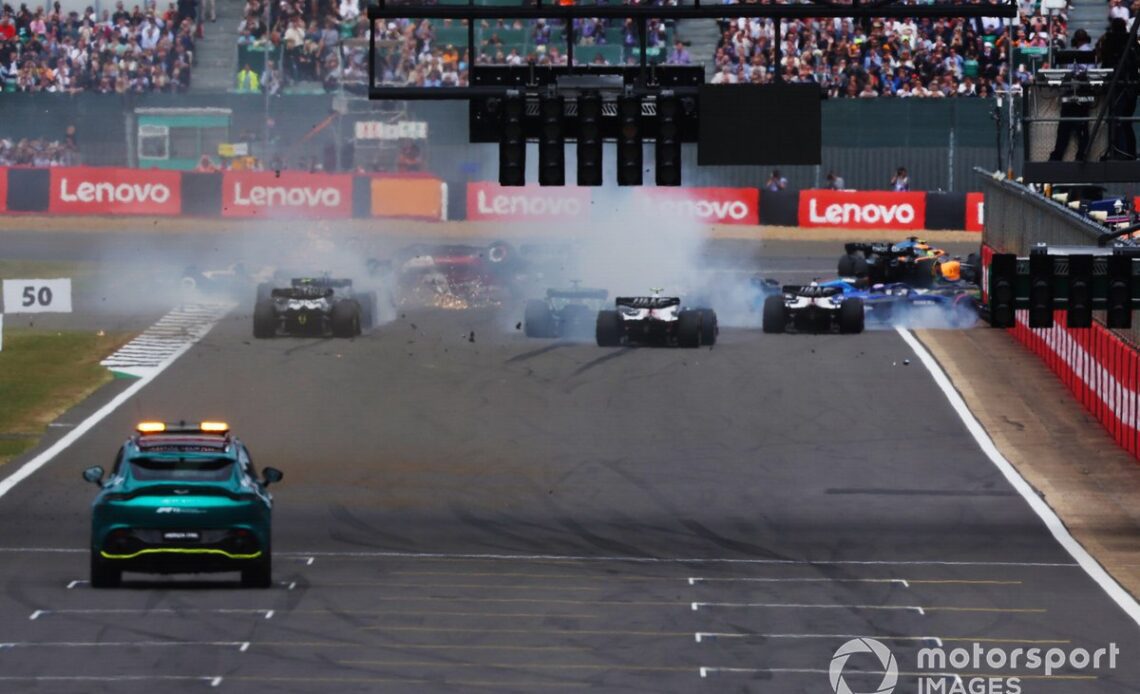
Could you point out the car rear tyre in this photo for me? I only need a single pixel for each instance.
(538, 321)
(104, 575)
(709, 327)
(260, 575)
(346, 319)
(608, 329)
(689, 329)
(264, 319)
(775, 318)
(851, 316)
(264, 291)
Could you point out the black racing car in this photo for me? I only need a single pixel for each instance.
(312, 306)
(564, 313)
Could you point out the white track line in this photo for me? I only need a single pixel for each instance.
(30, 467)
(1085, 560)
(702, 636)
(806, 606)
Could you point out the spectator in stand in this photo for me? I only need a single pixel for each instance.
(247, 81)
(835, 181)
(900, 181)
(776, 182)
(410, 158)
(679, 55)
(206, 165)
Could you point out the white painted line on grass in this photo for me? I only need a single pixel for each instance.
(28, 468)
(1085, 560)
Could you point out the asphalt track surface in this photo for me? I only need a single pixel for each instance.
(507, 514)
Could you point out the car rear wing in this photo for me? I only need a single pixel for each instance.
(649, 302)
(810, 291)
(302, 292)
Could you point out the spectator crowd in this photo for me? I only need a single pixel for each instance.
(140, 50)
(917, 58)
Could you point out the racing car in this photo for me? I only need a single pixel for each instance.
(182, 498)
(655, 320)
(813, 307)
(909, 261)
(564, 313)
(900, 303)
(312, 306)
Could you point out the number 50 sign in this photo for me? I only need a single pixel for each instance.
(37, 296)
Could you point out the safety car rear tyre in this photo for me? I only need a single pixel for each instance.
(264, 319)
(709, 327)
(775, 319)
(346, 319)
(607, 329)
(104, 575)
(538, 321)
(851, 316)
(689, 329)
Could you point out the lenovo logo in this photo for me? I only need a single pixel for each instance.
(88, 192)
(291, 194)
(91, 190)
(525, 205)
(282, 196)
(869, 209)
(854, 213)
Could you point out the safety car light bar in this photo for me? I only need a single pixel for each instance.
(208, 427)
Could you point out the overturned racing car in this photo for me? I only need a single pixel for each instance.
(656, 320)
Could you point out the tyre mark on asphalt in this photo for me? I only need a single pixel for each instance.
(601, 360)
(537, 352)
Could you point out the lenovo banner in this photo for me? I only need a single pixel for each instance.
(975, 211)
(863, 209)
(89, 190)
(490, 201)
(288, 195)
(706, 205)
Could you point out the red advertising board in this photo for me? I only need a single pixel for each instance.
(90, 190)
(490, 201)
(975, 211)
(3, 190)
(862, 209)
(707, 205)
(287, 195)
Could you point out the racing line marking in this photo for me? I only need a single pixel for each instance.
(28, 468)
(1054, 524)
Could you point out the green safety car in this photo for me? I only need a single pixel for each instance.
(182, 498)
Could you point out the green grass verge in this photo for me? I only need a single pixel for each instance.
(42, 374)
